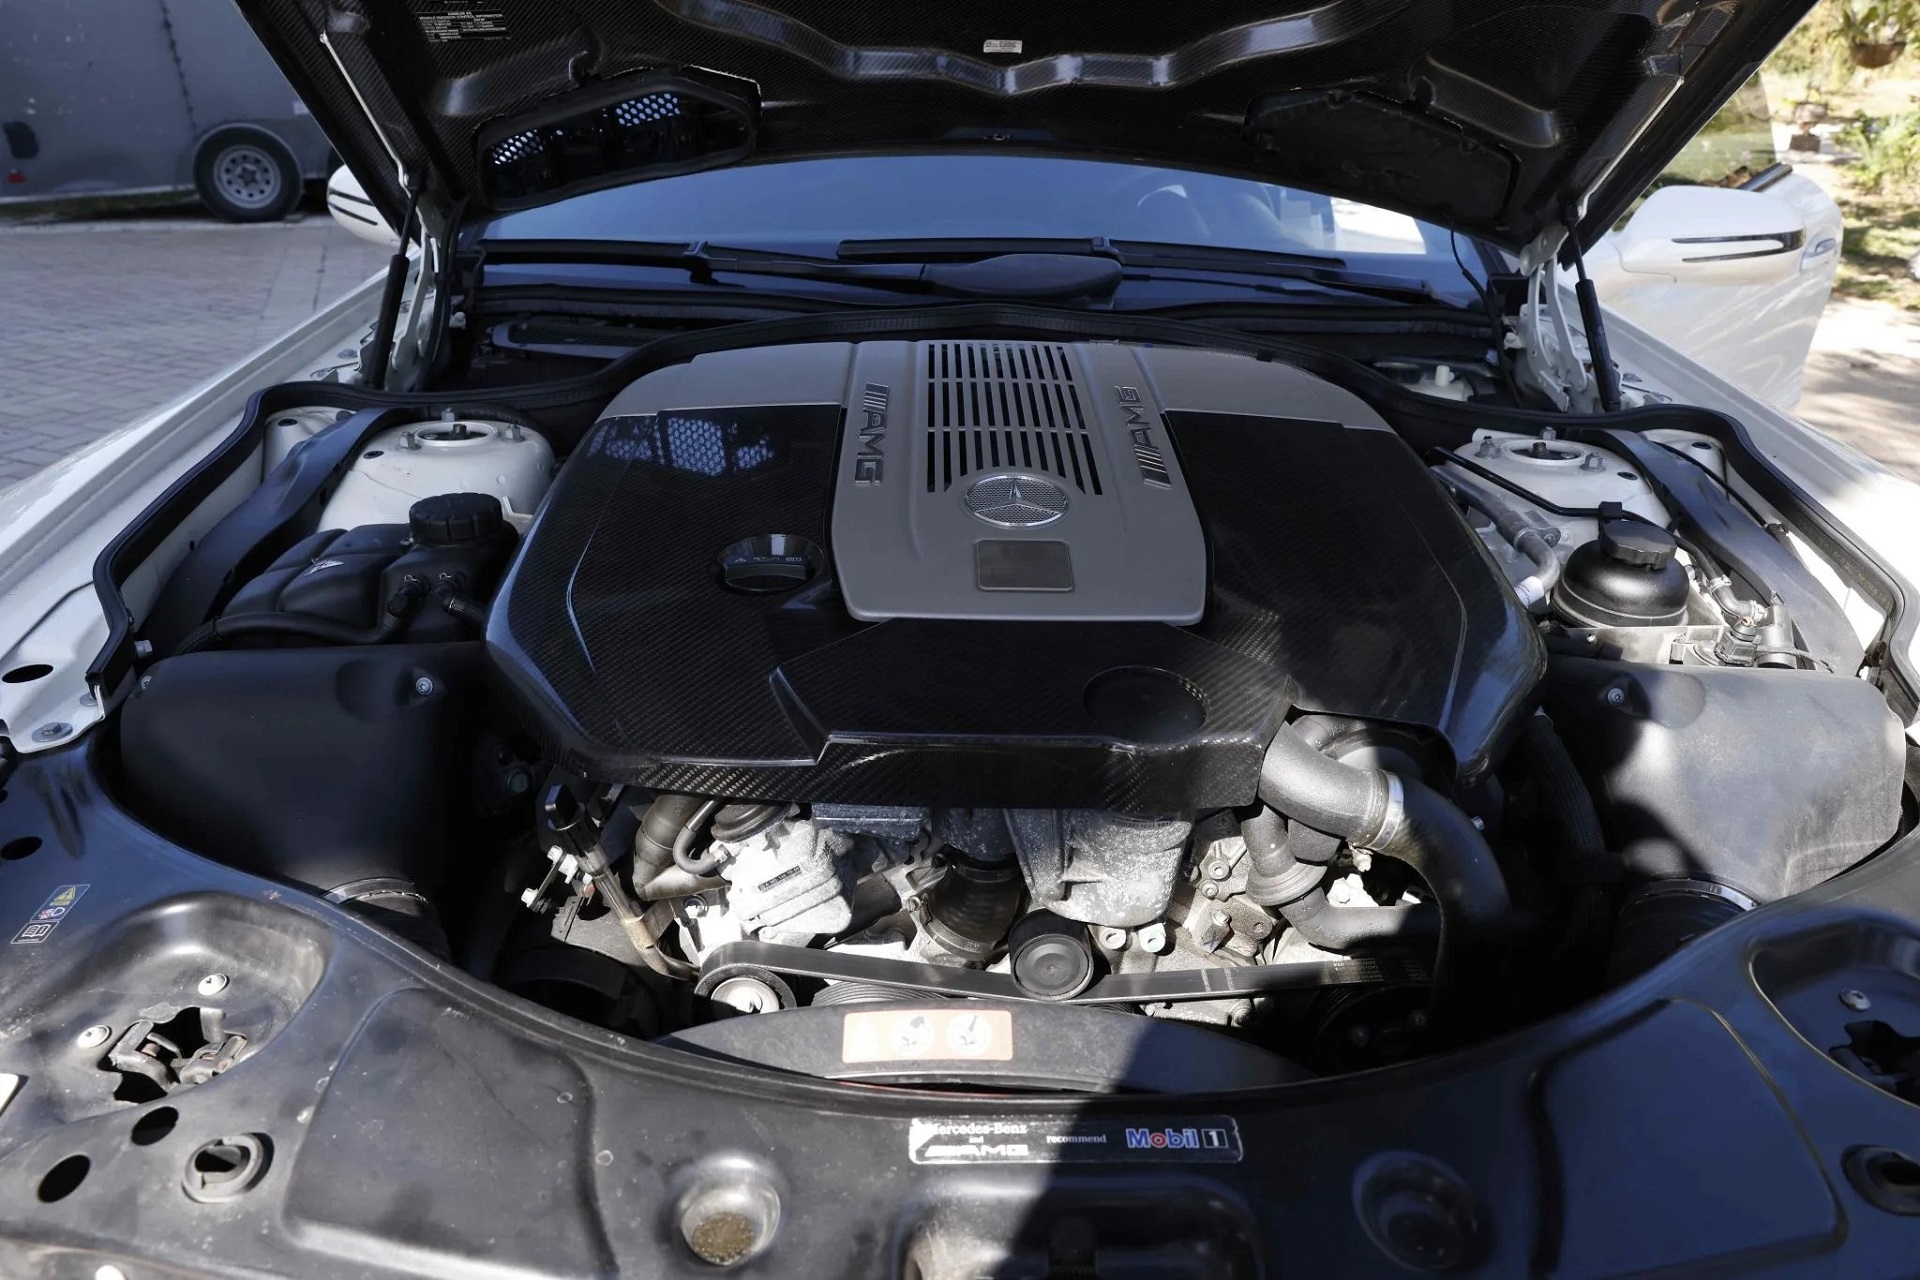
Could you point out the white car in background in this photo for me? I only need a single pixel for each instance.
(1034, 641)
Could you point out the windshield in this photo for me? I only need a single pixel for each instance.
(814, 204)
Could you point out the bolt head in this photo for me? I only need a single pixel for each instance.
(423, 686)
(95, 1036)
(1616, 697)
(1114, 939)
(1340, 891)
(52, 732)
(1221, 919)
(1210, 889)
(1855, 1000)
(1361, 1036)
(213, 984)
(1218, 871)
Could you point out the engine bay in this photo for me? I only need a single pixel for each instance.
(1065, 672)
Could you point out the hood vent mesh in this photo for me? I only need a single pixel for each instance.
(1005, 405)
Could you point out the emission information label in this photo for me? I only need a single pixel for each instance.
(463, 22)
(1074, 1140)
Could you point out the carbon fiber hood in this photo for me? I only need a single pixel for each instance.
(1487, 117)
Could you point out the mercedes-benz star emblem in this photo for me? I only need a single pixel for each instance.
(1017, 502)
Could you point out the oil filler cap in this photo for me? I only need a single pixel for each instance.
(449, 518)
(768, 563)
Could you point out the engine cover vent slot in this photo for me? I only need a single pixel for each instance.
(1005, 405)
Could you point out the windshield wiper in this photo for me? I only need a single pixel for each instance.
(1022, 273)
(975, 267)
(1146, 256)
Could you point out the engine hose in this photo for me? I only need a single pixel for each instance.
(1523, 537)
(643, 925)
(683, 856)
(1403, 819)
(303, 625)
(1280, 879)
(1342, 929)
(973, 906)
(1564, 796)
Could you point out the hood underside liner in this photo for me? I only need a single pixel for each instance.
(1488, 118)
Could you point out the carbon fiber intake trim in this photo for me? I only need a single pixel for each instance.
(1341, 580)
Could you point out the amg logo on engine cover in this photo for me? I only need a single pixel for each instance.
(1153, 464)
(870, 463)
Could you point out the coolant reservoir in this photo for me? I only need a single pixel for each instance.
(400, 466)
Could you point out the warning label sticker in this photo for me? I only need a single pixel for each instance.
(41, 924)
(463, 22)
(1074, 1140)
(922, 1035)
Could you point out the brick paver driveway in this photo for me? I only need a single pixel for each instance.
(106, 321)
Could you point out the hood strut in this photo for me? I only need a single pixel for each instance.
(1606, 378)
(380, 347)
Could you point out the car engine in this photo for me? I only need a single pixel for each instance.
(1146, 677)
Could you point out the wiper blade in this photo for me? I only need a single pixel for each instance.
(1150, 256)
(1330, 271)
(697, 256)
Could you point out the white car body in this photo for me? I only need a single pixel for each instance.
(1754, 334)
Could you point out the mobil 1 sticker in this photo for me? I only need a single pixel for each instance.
(1074, 1140)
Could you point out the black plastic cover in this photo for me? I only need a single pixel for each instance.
(1764, 780)
(349, 576)
(325, 767)
(1342, 580)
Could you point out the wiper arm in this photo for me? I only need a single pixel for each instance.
(1330, 271)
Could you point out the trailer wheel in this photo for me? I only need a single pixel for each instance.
(246, 175)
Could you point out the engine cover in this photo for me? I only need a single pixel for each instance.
(1012, 481)
(994, 574)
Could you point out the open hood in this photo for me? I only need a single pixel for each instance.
(1488, 116)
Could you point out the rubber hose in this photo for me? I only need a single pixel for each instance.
(1332, 928)
(1564, 794)
(683, 855)
(1428, 832)
(974, 904)
(655, 877)
(659, 827)
(1777, 647)
(297, 624)
(1278, 879)
(1522, 536)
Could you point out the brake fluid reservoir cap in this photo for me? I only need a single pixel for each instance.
(449, 518)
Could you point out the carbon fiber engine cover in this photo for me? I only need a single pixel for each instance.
(676, 617)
